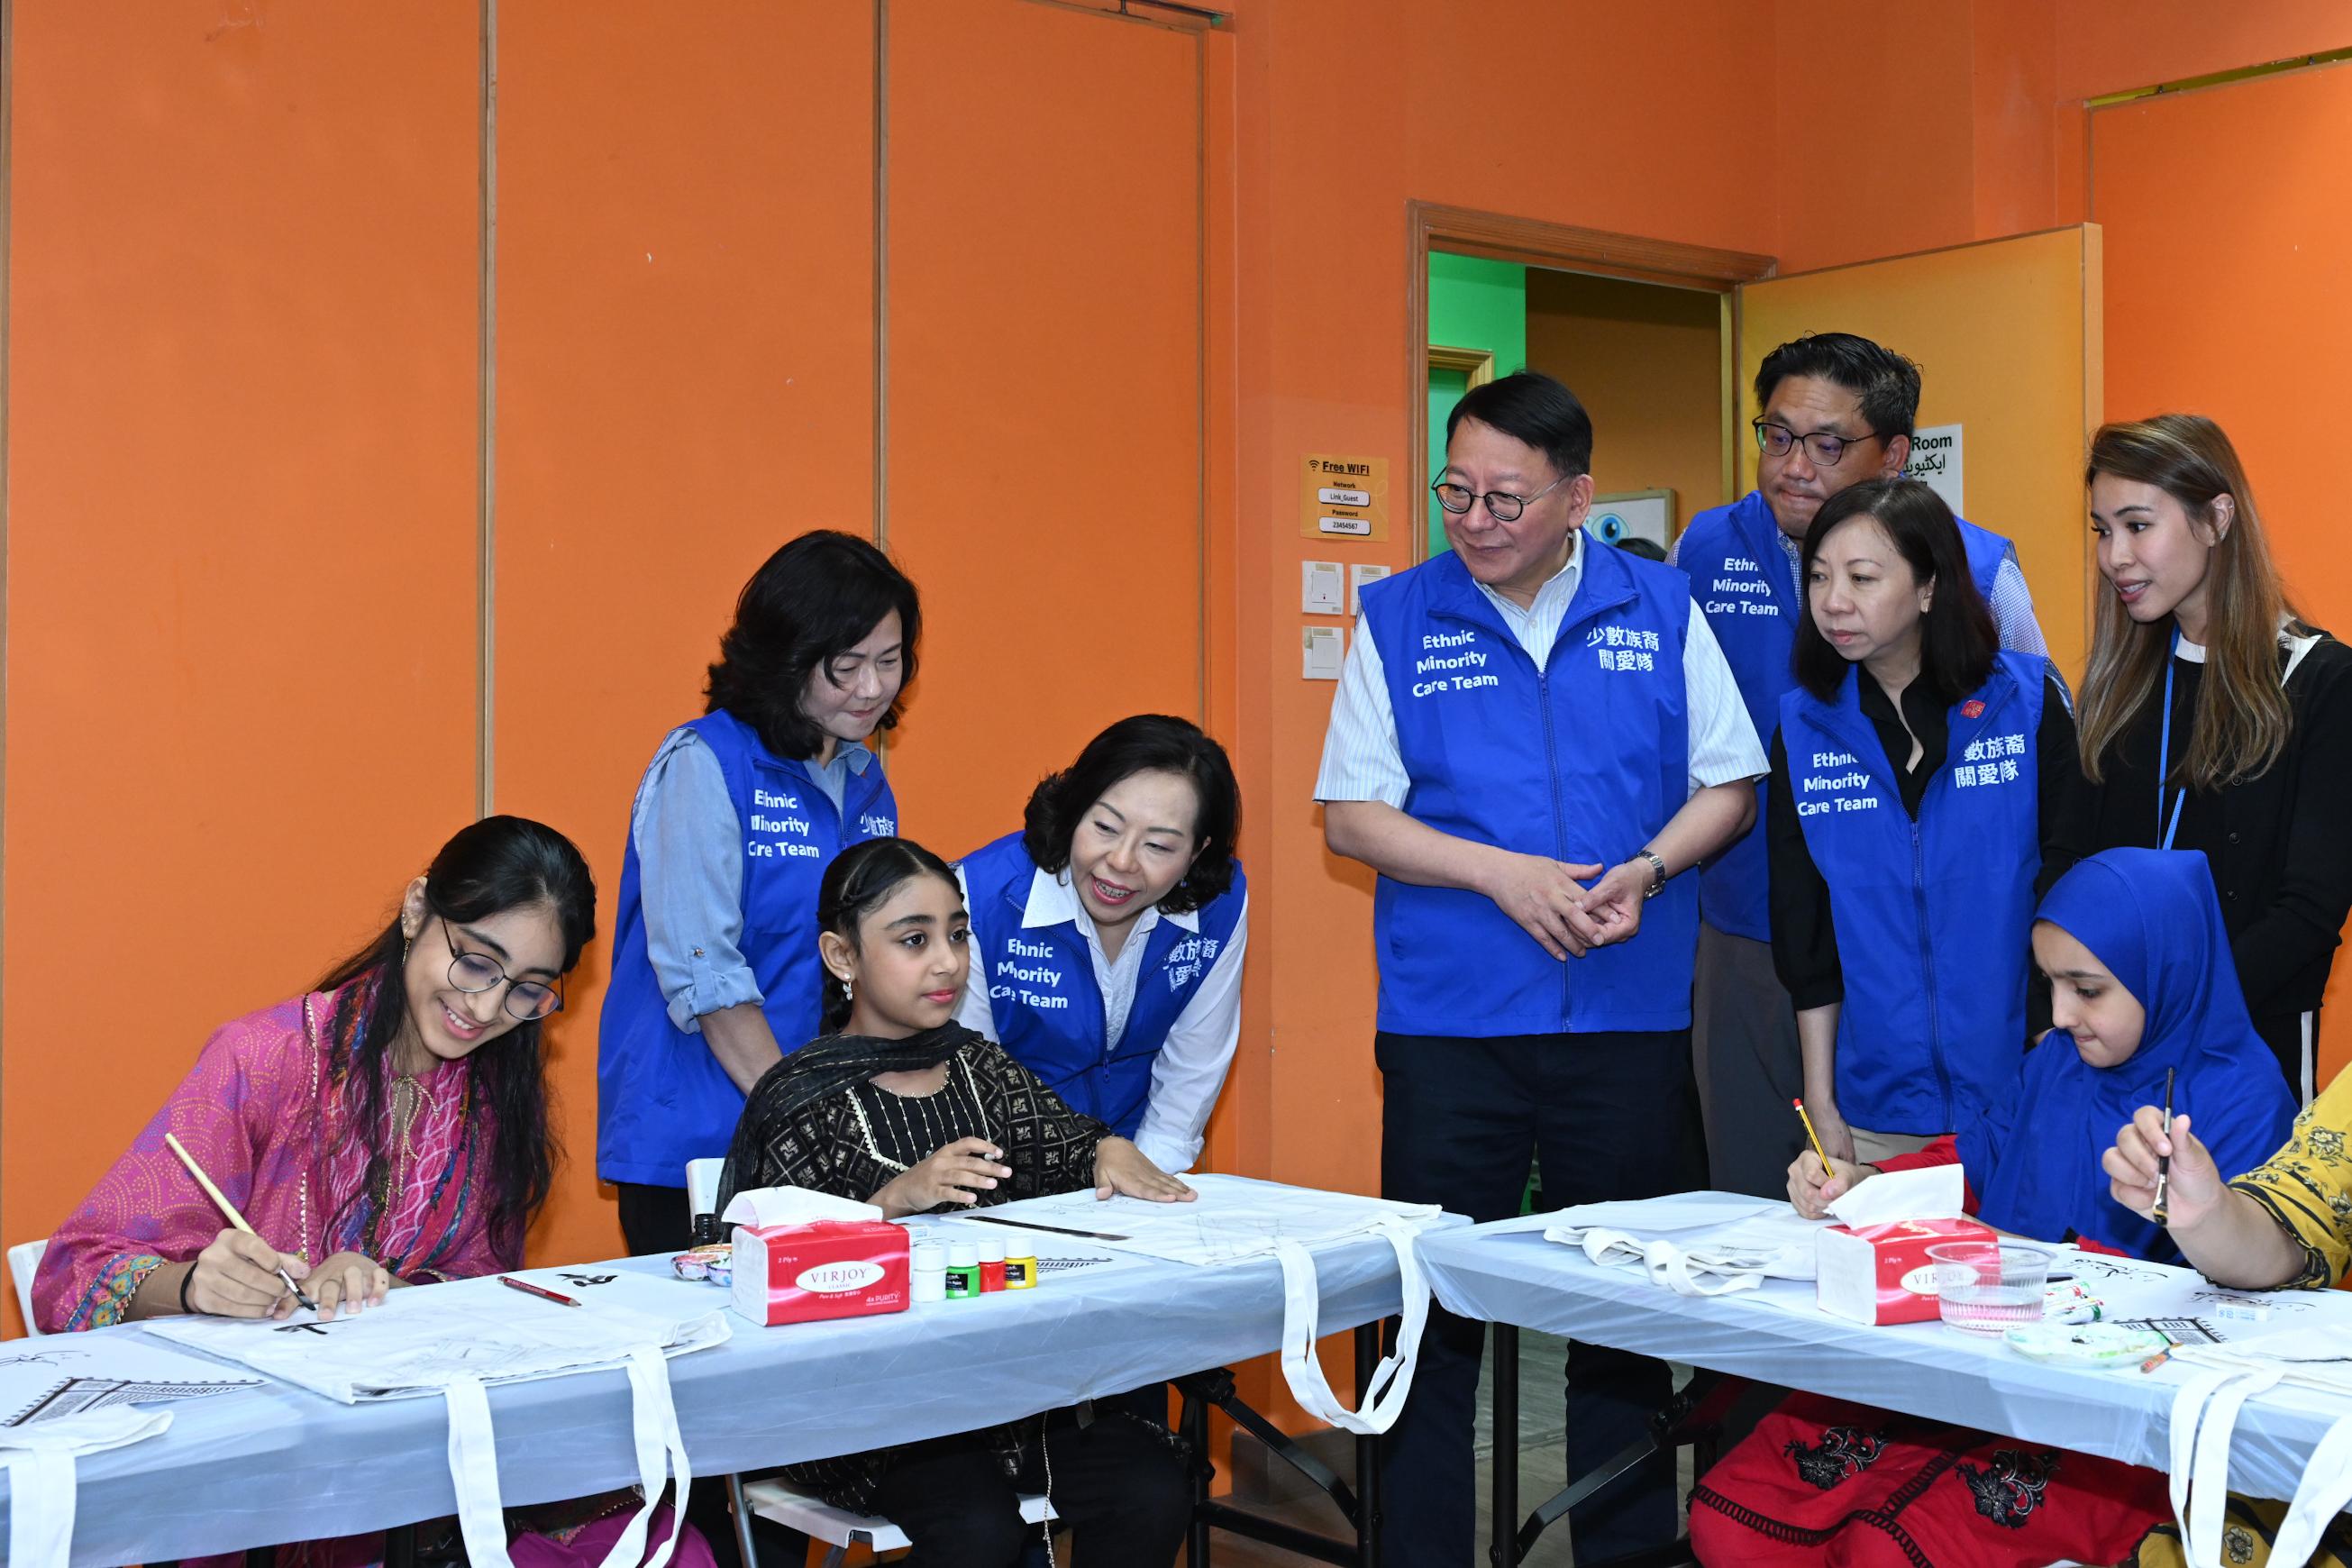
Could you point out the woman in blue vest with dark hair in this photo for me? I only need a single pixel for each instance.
(1926, 791)
(1836, 410)
(715, 968)
(1108, 934)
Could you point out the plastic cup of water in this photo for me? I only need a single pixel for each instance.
(1988, 1288)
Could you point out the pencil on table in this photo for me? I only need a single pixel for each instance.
(220, 1201)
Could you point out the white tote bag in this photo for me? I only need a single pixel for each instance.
(2205, 1418)
(456, 1340)
(1233, 1219)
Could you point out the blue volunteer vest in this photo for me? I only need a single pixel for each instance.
(1934, 919)
(662, 1099)
(1748, 591)
(1583, 761)
(1045, 1006)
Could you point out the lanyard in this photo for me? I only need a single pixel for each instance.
(2166, 830)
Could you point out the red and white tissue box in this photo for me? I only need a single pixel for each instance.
(826, 1269)
(1881, 1273)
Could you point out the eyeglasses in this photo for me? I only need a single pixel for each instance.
(475, 973)
(1824, 449)
(1501, 505)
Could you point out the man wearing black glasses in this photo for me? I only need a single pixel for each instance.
(1837, 409)
(1535, 735)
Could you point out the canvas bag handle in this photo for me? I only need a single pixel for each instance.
(1385, 1393)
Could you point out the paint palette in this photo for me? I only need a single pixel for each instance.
(2108, 1347)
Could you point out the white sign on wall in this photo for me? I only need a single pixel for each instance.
(1936, 458)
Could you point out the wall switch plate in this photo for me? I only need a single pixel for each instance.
(1358, 574)
(1322, 648)
(1322, 588)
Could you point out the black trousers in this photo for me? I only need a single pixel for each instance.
(1610, 1116)
(1120, 1488)
(655, 1220)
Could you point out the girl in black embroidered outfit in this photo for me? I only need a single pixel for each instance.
(897, 1105)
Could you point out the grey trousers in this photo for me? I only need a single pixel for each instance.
(1744, 1046)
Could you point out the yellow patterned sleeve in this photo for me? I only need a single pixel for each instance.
(2307, 1188)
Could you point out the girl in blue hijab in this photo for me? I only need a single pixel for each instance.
(2142, 981)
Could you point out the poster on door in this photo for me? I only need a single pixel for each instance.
(1936, 458)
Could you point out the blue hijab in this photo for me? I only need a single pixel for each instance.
(2150, 916)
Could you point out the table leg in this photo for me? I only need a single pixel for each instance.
(1195, 1424)
(1368, 1453)
(1503, 1547)
(748, 1553)
(400, 1547)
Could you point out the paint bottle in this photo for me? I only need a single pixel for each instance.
(930, 1272)
(1021, 1272)
(991, 1267)
(962, 1272)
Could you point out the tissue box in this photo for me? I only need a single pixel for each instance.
(829, 1268)
(1881, 1273)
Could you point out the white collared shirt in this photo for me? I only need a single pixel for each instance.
(1362, 759)
(1190, 1067)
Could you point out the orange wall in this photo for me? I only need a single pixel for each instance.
(1647, 363)
(242, 421)
(666, 415)
(2225, 297)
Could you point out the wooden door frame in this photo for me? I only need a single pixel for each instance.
(1563, 247)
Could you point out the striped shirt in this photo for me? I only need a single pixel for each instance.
(1361, 760)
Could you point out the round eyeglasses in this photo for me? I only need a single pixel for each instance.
(475, 973)
(1825, 448)
(1501, 505)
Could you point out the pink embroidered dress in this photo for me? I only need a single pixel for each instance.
(264, 1111)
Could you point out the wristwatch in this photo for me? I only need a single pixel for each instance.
(1657, 874)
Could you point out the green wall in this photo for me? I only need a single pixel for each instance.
(1472, 304)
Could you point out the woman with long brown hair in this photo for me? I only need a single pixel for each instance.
(2214, 718)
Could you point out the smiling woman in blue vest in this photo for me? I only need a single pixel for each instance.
(1925, 792)
(1108, 935)
(714, 962)
(1532, 740)
(1838, 410)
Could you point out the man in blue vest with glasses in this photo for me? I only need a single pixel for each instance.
(1837, 409)
(1534, 737)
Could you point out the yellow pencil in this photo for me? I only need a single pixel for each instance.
(220, 1201)
(1812, 1136)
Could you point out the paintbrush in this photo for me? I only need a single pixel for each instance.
(2162, 1212)
(220, 1201)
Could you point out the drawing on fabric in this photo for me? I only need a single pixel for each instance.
(420, 1342)
(72, 1396)
(2098, 1268)
(2273, 1300)
(44, 1381)
(2179, 1331)
(1064, 1265)
(1231, 1220)
(584, 1280)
